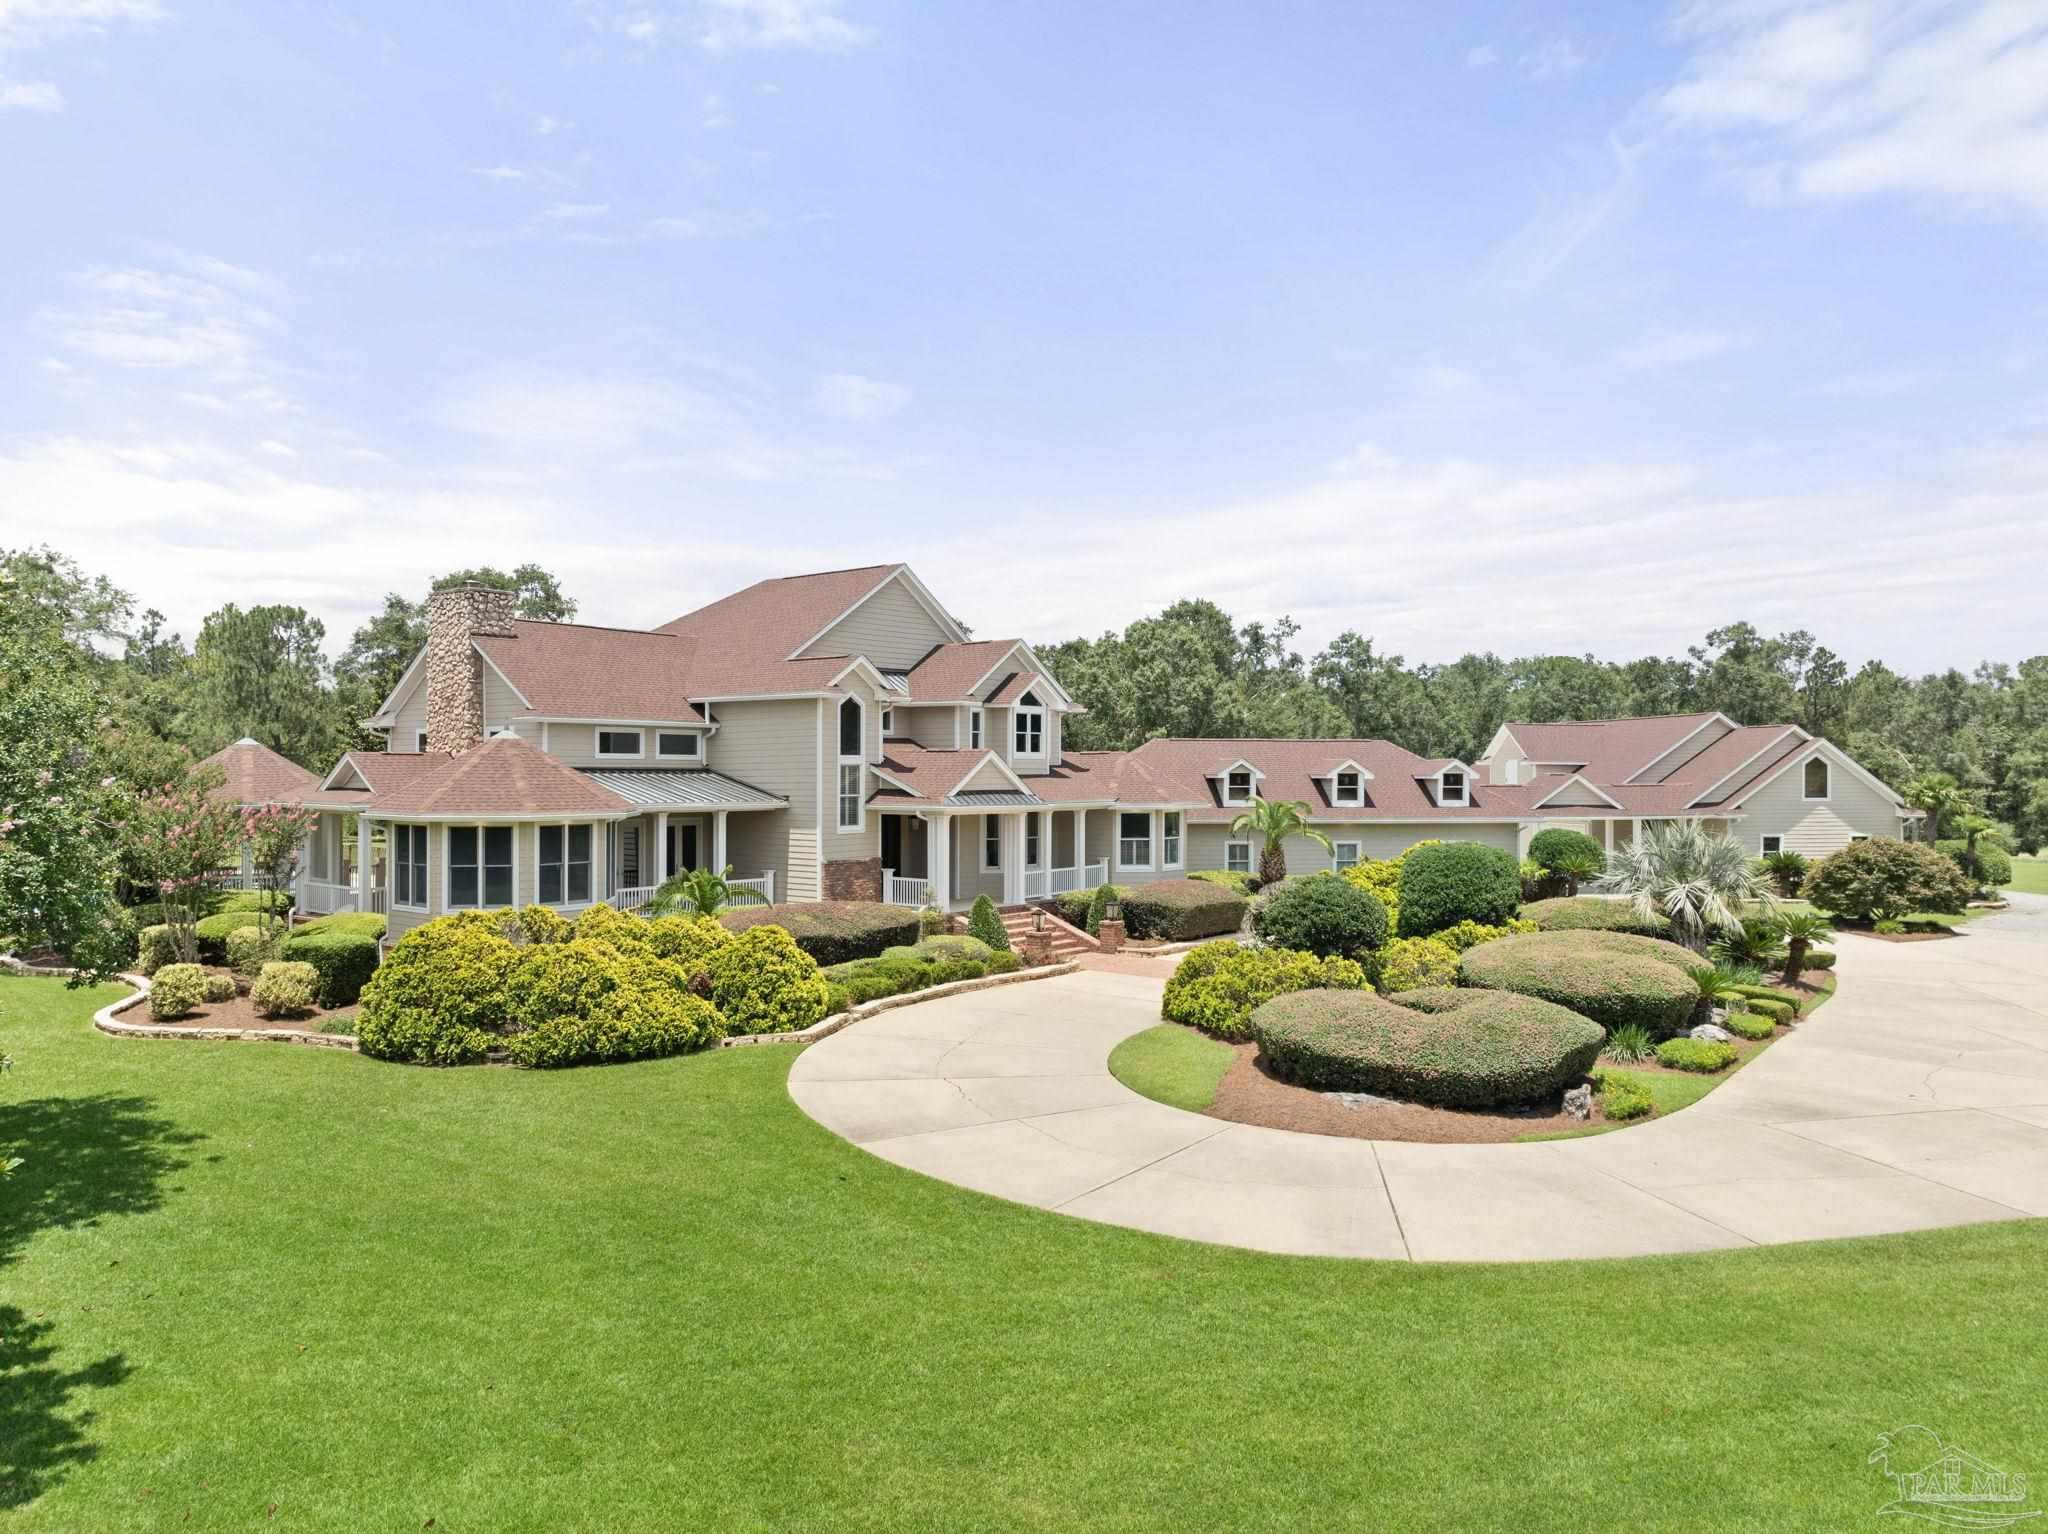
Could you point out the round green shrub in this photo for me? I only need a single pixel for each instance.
(250, 948)
(154, 949)
(613, 927)
(1416, 963)
(1611, 977)
(1747, 1023)
(1324, 915)
(1590, 913)
(985, 924)
(1550, 850)
(1451, 882)
(761, 982)
(212, 931)
(175, 990)
(1622, 1097)
(1882, 879)
(219, 987)
(438, 992)
(284, 989)
(1701, 1055)
(1483, 1048)
(1181, 910)
(585, 1001)
(1216, 987)
(686, 940)
(540, 924)
(1994, 863)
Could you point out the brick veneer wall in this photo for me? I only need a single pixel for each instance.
(854, 879)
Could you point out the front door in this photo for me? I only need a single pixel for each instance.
(892, 842)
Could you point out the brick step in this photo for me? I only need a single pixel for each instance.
(1018, 920)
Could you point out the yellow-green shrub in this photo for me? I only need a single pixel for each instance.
(154, 948)
(580, 1002)
(1470, 934)
(604, 924)
(250, 948)
(438, 992)
(1413, 963)
(540, 924)
(285, 988)
(686, 940)
(763, 983)
(1216, 986)
(176, 989)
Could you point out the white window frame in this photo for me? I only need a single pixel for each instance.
(637, 753)
(1356, 796)
(975, 729)
(482, 828)
(991, 843)
(1027, 728)
(852, 769)
(1763, 847)
(419, 742)
(1232, 851)
(1443, 789)
(1172, 848)
(1341, 860)
(404, 833)
(540, 862)
(1251, 786)
(694, 754)
(1123, 860)
(1827, 786)
(1034, 847)
(888, 722)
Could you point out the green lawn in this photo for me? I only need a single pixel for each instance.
(244, 1277)
(1172, 1064)
(2030, 875)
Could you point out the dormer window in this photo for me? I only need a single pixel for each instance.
(1028, 727)
(1237, 786)
(1348, 788)
(1450, 788)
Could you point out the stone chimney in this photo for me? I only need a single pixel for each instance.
(455, 672)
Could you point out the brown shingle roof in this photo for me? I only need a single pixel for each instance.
(1292, 770)
(503, 776)
(578, 671)
(255, 774)
(1609, 750)
(772, 618)
(946, 674)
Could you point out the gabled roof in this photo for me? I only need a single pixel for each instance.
(579, 671)
(503, 777)
(255, 774)
(1011, 689)
(933, 776)
(947, 673)
(1606, 750)
(1187, 770)
(777, 617)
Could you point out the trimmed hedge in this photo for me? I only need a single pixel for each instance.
(1699, 1055)
(1785, 999)
(284, 989)
(833, 931)
(1819, 958)
(1322, 915)
(250, 948)
(1552, 849)
(1611, 977)
(1589, 913)
(1181, 910)
(1473, 1050)
(175, 990)
(343, 961)
(935, 961)
(1776, 1011)
(1237, 884)
(1748, 1023)
(1994, 863)
(212, 932)
(1218, 985)
(1452, 882)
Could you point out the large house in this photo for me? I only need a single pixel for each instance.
(841, 735)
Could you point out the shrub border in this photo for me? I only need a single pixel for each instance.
(107, 1022)
(826, 1027)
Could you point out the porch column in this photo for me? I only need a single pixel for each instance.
(363, 873)
(1080, 848)
(659, 861)
(1013, 857)
(938, 860)
(1159, 843)
(718, 841)
(1635, 834)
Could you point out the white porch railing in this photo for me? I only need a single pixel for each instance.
(632, 897)
(323, 897)
(900, 891)
(1042, 883)
(764, 886)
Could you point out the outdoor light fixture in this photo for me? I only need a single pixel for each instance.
(1113, 910)
(1038, 921)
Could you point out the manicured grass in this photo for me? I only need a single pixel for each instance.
(238, 1277)
(2030, 875)
(1172, 1064)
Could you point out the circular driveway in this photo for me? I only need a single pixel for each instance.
(1918, 1097)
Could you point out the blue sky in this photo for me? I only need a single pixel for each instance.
(1524, 326)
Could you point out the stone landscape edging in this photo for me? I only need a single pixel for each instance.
(106, 1022)
(826, 1027)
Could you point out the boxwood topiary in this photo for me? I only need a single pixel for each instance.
(1550, 850)
(1323, 915)
(833, 931)
(1457, 881)
(285, 988)
(1748, 1024)
(1611, 977)
(175, 990)
(986, 925)
(1181, 910)
(1701, 1055)
(212, 932)
(1216, 986)
(1580, 913)
(1475, 1049)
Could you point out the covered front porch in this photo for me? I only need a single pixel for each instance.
(1011, 853)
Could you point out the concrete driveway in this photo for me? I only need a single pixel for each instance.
(1917, 1098)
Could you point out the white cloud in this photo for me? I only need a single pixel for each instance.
(1836, 100)
(1485, 56)
(1678, 348)
(26, 23)
(1553, 59)
(577, 212)
(193, 313)
(856, 397)
(31, 96)
(735, 26)
(498, 172)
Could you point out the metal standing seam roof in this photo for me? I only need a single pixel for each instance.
(993, 799)
(696, 788)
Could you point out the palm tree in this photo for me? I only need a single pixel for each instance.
(1717, 989)
(1275, 820)
(1974, 826)
(1801, 930)
(701, 892)
(1938, 795)
(1577, 868)
(1754, 943)
(1699, 882)
(1787, 870)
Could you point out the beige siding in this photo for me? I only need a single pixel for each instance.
(410, 719)
(937, 729)
(500, 701)
(969, 877)
(773, 745)
(1574, 794)
(576, 745)
(1815, 827)
(987, 777)
(891, 628)
(1206, 842)
(1662, 768)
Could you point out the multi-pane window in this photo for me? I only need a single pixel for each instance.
(991, 841)
(1770, 844)
(1029, 727)
(677, 743)
(1347, 787)
(618, 742)
(1169, 839)
(1816, 779)
(1134, 839)
(849, 796)
(1346, 854)
(409, 866)
(852, 752)
(1237, 857)
(974, 729)
(564, 865)
(1237, 788)
(479, 866)
(1031, 840)
(1452, 786)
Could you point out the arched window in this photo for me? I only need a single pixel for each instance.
(1028, 738)
(1817, 779)
(851, 719)
(852, 753)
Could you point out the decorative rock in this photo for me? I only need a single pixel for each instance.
(1578, 1102)
(1713, 1033)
